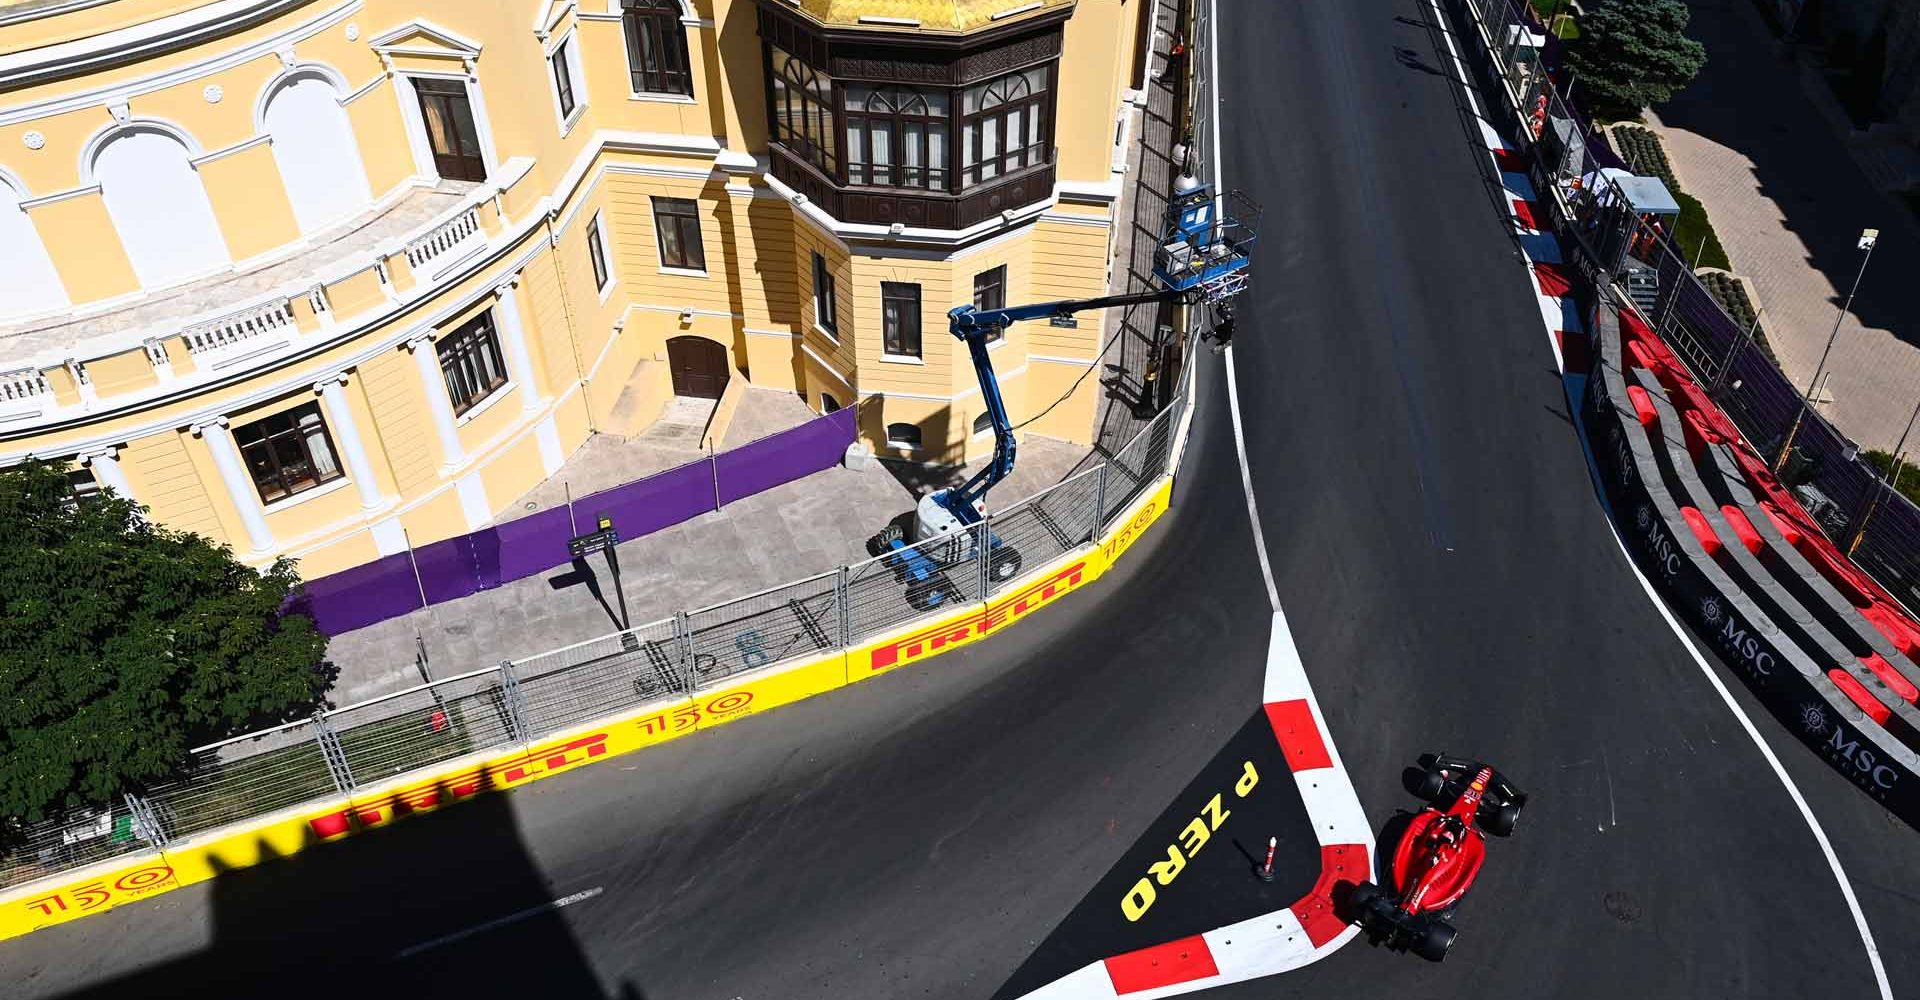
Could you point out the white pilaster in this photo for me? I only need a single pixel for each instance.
(435, 384)
(233, 472)
(346, 434)
(107, 471)
(513, 341)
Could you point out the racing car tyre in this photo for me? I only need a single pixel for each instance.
(1361, 901)
(1432, 784)
(1434, 941)
(1500, 821)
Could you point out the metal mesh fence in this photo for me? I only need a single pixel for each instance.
(899, 586)
(1137, 465)
(83, 838)
(1049, 524)
(250, 776)
(424, 726)
(773, 626)
(581, 682)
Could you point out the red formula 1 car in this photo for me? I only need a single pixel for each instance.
(1439, 855)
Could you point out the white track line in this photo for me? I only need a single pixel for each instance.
(1806, 811)
(1233, 384)
(531, 911)
(1713, 678)
(1246, 484)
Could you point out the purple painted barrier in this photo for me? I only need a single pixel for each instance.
(358, 597)
(647, 505)
(784, 457)
(447, 569)
(482, 560)
(534, 544)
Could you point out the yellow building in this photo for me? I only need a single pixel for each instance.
(323, 278)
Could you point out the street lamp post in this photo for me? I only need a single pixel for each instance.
(1888, 484)
(1868, 239)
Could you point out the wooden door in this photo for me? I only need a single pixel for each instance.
(450, 131)
(699, 367)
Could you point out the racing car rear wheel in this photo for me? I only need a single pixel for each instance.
(1434, 941)
(1432, 784)
(1362, 900)
(1499, 821)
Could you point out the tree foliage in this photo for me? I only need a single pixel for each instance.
(1632, 54)
(123, 644)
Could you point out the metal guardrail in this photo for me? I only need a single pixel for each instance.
(520, 701)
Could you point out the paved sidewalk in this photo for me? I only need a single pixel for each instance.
(1788, 202)
(806, 527)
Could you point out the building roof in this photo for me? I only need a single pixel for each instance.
(925, 15)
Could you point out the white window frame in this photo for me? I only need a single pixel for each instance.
(596, 235)
(567, 48)
(825, 330)
(417, 140)
(898, 445)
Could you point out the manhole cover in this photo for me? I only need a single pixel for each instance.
(1622, 906)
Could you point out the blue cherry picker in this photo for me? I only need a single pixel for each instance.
(1203, 258)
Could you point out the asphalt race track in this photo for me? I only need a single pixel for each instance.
(1452, 585)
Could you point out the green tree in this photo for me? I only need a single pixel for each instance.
(123, 644)
(1632, 54)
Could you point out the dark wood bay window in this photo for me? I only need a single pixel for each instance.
(883, 128)
(656, 47)
(1005, 126)
(896, 136)
(803, 110)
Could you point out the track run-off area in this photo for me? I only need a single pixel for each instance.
(1431, 531)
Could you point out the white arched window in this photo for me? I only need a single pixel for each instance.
(28, 282)
(314, 145)
(158, 206)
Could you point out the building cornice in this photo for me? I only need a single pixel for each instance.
(25, 69)
(134, 43)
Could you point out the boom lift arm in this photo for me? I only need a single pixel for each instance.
(974, 326)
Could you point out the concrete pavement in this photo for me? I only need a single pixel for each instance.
(1788, 202)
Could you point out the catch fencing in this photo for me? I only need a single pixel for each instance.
(1846, 496)
(517, 702)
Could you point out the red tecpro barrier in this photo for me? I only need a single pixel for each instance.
(1857, 693)
(1743, 528)
(1643, 406)
(1901, 687)
(1708, 538)
(1780, 504)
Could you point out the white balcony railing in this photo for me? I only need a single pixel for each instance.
(448, 245)
(235, 337)
(24, 394)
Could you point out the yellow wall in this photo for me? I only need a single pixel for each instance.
(598, 358)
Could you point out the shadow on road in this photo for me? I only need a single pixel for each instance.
(1749, 100)
(1194, 868)
(446, 904)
